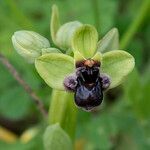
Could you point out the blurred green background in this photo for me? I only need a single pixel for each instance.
(123, 121)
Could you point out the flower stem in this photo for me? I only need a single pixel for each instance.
(135, 25)
(63, 111)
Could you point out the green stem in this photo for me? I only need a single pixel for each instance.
(70, 116)
(63, 111)
(57, 107)
(135, 25)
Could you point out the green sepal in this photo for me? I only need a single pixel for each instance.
(55, 138)
(117, 64)
(54, 67)
(55, 23)
(109, 42)
(85, 40)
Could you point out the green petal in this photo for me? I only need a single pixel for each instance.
(65, 34)
(109, 42)
(55, 23)
(117, 64)
(55, 138)
(54, 67)
(85, 40)
(97, 57)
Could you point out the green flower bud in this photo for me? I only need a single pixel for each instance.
(29, 44)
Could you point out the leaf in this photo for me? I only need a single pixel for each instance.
(100, 130)
(117, 64)
(55, 23)
(55, 138)
(109, 42)
(54, 67)
(65, 34)
(85, 40)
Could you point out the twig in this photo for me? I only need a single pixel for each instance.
(26, 87)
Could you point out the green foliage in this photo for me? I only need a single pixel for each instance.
(117, 128)
(139, 95)
(12, 106)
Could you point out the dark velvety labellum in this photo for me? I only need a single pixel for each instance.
(88, 92)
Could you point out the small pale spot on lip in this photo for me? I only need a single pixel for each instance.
(89, 62)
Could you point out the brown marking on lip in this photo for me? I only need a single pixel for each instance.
(88, 63)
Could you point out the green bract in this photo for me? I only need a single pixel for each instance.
(29, 44)
(55, 138)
